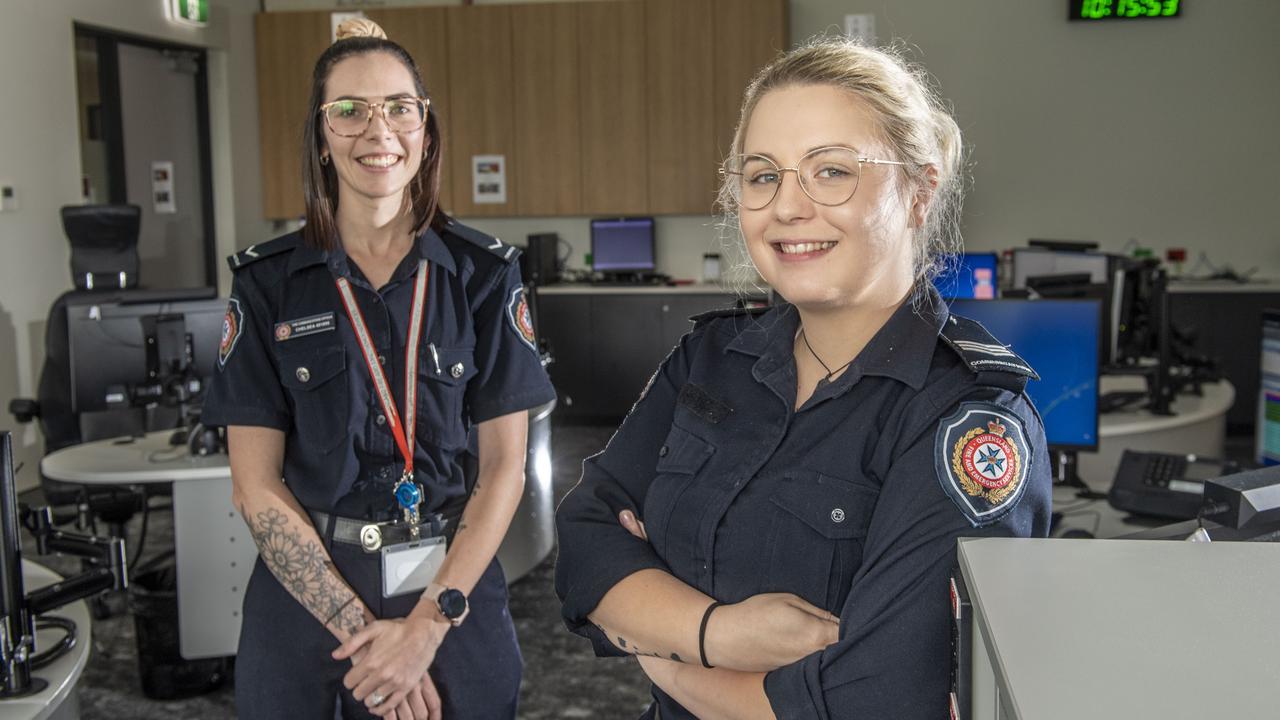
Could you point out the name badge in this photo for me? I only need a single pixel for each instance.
(311, 325)
(411, 566)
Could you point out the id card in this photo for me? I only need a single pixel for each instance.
(411, 566)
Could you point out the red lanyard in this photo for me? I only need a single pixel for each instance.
(403, 434)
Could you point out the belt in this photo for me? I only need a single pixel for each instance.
(349, 531)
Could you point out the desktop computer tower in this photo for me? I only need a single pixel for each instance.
(539, 264)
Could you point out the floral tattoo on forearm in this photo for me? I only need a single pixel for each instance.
(305, 571)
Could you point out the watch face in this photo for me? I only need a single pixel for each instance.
(452, 603)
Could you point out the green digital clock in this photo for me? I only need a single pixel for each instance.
(1122, 9)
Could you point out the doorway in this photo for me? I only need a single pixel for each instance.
(144, 140)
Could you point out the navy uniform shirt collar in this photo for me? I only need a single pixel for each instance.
(428, 246)
(902, 349)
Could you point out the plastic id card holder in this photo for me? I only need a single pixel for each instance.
(411, 566)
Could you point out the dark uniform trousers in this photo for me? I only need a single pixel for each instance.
(476, 670)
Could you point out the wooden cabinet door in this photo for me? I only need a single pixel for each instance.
(748, 35)
(612, 107)
(546, 169)
(421, 31)
(287, 46)
(681, 107)
(480, 88)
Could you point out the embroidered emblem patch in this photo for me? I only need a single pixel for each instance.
(324, 322)
(520, 318)
(982, 456)
(232, 327)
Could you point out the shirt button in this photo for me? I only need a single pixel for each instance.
(382, 359)
(662, 452)
(457, 370)
(837, 515)
(303, 374)
(381, 419)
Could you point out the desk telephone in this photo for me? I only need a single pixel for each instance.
(1164, 484)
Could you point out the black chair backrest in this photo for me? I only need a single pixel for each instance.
(104, 245)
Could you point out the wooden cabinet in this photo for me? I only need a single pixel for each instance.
(608, 343)
(610, 107)
(546, 166)
(480, 85)
(287, 46)
(681, 117)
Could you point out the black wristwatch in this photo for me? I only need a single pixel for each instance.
(451, 603)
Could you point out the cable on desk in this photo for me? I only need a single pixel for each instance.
(64, 646)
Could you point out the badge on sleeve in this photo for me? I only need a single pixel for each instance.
(521, 320)
(232, 326)
(982, 456)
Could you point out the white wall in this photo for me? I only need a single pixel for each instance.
(40, 155)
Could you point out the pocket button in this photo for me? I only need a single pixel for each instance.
(304, 375)
(837, 515)
(457, 370)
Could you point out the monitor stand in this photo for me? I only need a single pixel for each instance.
(1065, 463)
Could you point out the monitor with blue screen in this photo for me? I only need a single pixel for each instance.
(971, 277)
(1059, 338)
(622, 245)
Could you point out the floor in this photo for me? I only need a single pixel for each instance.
(562, 678)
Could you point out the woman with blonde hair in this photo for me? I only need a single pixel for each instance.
(772, 528)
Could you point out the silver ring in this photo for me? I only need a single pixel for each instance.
(376, 699)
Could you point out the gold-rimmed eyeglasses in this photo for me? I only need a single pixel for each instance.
(350, 117)
(828, 175)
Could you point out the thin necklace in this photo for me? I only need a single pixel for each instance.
(822, 382)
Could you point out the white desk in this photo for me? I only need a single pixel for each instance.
(60, 700)
(214, 550)
(1123, 629)
(1197, 426)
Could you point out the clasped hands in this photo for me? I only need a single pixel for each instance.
(763, 632)
(390, 659)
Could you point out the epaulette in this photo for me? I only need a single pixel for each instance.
(508, 253)
(991, 360)
(254, 253)
(710, 315)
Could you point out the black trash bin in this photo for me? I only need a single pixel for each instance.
(165, 674)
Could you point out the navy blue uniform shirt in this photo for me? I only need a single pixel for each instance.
(289, 360)
(853, 502)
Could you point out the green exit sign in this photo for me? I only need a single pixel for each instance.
(189, 12)
(1122, 9)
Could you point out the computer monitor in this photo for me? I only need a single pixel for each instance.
(1033, 262)
(972, 276)
(622, 245)
(1059, 339)
(125, 348)
(1269, 391)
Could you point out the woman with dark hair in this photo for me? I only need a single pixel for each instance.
(381, 361)
(772, 529)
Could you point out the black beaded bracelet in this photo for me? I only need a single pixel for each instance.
(702, 634)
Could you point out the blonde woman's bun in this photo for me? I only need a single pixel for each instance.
(360, 27)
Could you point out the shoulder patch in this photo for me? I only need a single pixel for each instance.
(980, 350)
(982, 457)
(508, 253)
(520, 319)
(232, 328)
(254, 253)
(707, 317)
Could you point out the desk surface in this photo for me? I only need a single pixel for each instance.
(1187, 409)
(64, 673)
(1129, 628)
(127, 461)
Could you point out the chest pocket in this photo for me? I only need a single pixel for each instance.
(317, 383)
(441, 395)
(817, 537)
(680, 458)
